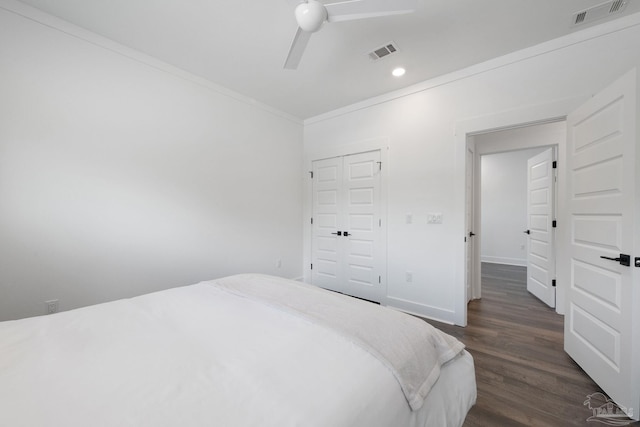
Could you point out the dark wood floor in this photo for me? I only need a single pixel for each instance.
(524, 377)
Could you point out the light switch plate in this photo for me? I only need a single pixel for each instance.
(434, 218)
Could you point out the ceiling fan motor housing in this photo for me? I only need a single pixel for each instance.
(310, 15)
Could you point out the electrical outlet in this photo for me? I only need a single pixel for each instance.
(279, 263)
(52, 306)
(409, 218)
(409, 276)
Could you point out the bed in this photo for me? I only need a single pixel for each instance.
(245, 350)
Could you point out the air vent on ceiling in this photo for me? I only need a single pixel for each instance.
(382, 51)
(598, 12)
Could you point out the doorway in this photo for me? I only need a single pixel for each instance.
(346, 226)
(517, 213)
(597, 181)
(505, 230)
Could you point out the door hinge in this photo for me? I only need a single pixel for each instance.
(554, 223)
(379, 165)
(553, 283)
(379, 223)
(312, 266)
(554, 165)
(311, 173)
(379, 279)
(312, 220)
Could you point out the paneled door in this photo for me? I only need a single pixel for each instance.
(540, 256)
(347, 254)
(603, 296)
(327, 221)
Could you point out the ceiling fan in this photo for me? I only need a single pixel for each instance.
(311, 14)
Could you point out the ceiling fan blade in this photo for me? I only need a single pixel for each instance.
(298, 46)
(361, 9)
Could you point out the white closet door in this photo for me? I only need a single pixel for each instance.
(362, 252)
(326, 250)
(346, 248)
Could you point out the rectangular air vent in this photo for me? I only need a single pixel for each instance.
(382, 51)
(598, 12)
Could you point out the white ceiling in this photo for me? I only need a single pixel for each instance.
(242, 44)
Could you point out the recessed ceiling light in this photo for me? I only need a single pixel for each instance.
(398, 72)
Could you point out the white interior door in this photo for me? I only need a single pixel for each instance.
(347, 254)
(326, 253)
(540, 211)
(362, 208)
(603, 295)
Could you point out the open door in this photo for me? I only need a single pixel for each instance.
(540, 212)
(601, 333)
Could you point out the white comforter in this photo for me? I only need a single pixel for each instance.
(412, 349)
(191, 356)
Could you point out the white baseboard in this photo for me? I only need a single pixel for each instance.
(504, 260)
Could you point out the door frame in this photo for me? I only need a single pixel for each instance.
(464, 137)
(329, 151)
(498, 148)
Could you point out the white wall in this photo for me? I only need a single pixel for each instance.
(120, 175)
(504, 207)
(503, 157)
(426, 157)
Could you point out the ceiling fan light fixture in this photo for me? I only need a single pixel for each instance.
(310, 15)
(398, 72)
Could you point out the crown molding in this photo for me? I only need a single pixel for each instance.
(563, 42)
(50, 21)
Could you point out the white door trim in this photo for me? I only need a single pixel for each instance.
(381, 144)
(472, 219)
(464, 130)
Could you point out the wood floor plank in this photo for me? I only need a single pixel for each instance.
(523, 375)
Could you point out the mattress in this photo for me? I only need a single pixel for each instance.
(201, 356)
